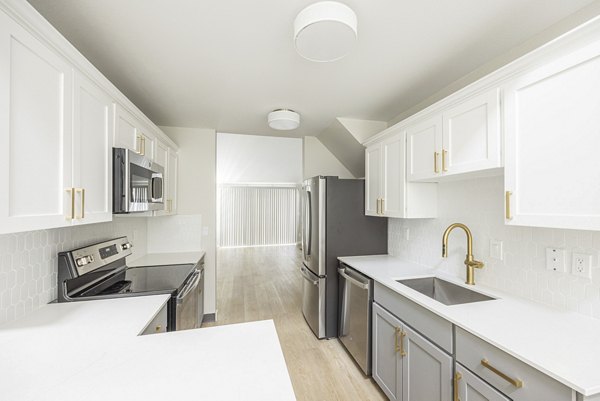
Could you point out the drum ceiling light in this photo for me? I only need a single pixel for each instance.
(283, 119)
(325, 31)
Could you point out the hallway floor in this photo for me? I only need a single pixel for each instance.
(265, 283)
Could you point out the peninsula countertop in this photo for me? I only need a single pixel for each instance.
(91, 350)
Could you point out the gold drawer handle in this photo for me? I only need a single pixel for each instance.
(515, 382)
(457, 377)
(507, 205)
(435, 165)
(158, 328)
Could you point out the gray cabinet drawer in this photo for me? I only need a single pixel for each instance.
(158, 324)
(471, 351)
(435, 328)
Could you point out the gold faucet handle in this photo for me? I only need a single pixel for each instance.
(475, 263)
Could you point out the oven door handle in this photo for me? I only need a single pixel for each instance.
(192, 283)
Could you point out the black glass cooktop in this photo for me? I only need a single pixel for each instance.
(150, 279)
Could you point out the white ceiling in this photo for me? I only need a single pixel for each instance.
(225, 64)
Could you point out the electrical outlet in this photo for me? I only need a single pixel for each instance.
(555, 259)
(406, 233)
(582, 265)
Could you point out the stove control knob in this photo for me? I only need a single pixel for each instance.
(126, 246)
(84, 260)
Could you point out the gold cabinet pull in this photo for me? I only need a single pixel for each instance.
(71, 216)
(444, 153)
(138, 144)
(457, 377)
(515, 382)
(399, 341)
(143, 145)
(507, 205)
(158, 328)
(82, 203)
(435, 165)
(382, 206)
(378, 205)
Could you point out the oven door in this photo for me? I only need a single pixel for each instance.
(186, 310)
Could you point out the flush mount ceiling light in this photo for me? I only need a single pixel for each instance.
(325, 31)
(283, 119)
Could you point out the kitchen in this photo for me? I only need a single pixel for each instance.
(490, 127)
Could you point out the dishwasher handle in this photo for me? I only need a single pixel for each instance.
(360, 284)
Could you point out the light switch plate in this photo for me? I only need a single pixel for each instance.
(555, 259)
(496, 249)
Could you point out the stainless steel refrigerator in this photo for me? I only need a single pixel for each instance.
(333, 225)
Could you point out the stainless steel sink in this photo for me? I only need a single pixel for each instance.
(444, 291)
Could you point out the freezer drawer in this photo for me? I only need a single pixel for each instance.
(356, 297)
(313, 301)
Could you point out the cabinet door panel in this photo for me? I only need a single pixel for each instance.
(552, 144)
(373, 179)
(161, 158)
(472, 388)
(35, 139)
(387, 366)
(426, 370)
(393, 171)
(126, 130)
(92, 151)
(423, 141)
(471, 138)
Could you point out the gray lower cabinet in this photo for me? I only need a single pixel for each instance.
(407, 366)
(158, 324)
(470, 387)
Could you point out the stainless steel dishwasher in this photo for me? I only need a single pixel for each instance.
(356, 297)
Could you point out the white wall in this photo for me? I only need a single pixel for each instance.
(479, 203)
(196, 196)
(28, 260)
(318, 160)
(253, 158)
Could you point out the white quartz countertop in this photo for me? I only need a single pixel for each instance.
(91, 350)
(167, 258)
(563, 345)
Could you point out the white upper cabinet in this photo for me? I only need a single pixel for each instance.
(129, 134)
(464, 138)
(471, 135)
(552, 174)
(387, 192)
(92, 152)
(373, 179)
(172, 176)
(36, 133)
(424, 141)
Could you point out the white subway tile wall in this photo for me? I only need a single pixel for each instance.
(479, 203)
(28, 261)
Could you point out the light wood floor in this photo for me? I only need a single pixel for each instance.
(265, 283)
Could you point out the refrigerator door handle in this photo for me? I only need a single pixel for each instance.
(307, 276)
(309, 222)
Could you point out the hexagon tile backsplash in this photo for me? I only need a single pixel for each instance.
(28, 261)
(479, 203)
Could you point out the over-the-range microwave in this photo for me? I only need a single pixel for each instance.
(137, 183)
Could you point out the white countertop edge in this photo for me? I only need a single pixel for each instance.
(437, 308)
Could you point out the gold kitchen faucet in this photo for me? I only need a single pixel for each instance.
(470, 262)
